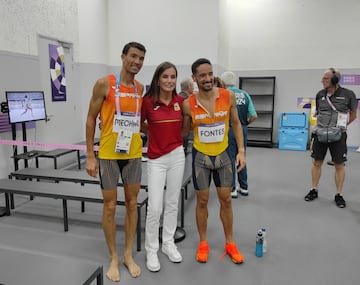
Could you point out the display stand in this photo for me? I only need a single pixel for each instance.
(3, 211)
(25, 155)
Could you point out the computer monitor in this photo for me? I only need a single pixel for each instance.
(25, 106)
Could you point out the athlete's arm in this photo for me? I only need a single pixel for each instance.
(186, 126)
(352, 116)
(99, 94)
(238, 133)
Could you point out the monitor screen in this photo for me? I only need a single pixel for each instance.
(25, 106)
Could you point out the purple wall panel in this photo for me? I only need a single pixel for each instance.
(6, 127)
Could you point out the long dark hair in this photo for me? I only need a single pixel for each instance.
(154, 89)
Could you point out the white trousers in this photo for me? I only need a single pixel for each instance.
(167, 169)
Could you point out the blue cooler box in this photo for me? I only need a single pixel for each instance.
(293, 131)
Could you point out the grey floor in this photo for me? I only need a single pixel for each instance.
(308, 242)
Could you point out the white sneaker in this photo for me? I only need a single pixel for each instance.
(152, 261)
(244, 192)
(144, 159)
(234, 193)
(172, 252)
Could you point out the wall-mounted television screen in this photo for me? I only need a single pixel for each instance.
(25, 106)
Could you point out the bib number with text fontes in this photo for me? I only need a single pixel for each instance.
(211, 133)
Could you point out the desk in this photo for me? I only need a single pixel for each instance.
(24, 267)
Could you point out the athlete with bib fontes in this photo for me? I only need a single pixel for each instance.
(209, 111)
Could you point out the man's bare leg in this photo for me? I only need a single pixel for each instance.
(226, 214)
(131, 218)
(109, 227)
(202, 198)
(316, 173)
(339, 176)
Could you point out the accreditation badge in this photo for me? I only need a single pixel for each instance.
(123, 141)
(342, 120)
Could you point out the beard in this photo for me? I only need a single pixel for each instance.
(208, 86)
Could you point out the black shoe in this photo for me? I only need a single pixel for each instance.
(312, 195)
(339, 201)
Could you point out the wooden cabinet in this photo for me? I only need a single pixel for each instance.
(262, 92)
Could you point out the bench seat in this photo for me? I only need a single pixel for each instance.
(66, 192)
(31, 268)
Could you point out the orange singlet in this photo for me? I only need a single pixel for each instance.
(128, 103)
(211, 133)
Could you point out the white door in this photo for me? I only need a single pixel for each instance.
(65, 124)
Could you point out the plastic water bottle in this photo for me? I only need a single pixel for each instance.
(259, 244)
(264, 240)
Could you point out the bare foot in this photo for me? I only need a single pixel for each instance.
(132, 267)
(113, 273)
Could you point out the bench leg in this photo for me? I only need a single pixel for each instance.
(7, 203)
(78, 159)
(12, 204)
(66, 221)
(82, 202)
(98, 274)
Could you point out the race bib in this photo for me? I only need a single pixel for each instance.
(211, 133)
(126, 121)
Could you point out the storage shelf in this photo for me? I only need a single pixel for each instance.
(262, 92)
(259, 129)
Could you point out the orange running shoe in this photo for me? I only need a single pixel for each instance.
(202, 252)
(234, 253)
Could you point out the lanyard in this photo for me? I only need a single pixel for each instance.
(330, 103)
(117, 95)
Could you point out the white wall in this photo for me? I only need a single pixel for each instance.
(291, 39)
(224, 33)
(252, 34)
(93, 31)
(293, 34)
(172, 30)
(22, 20)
